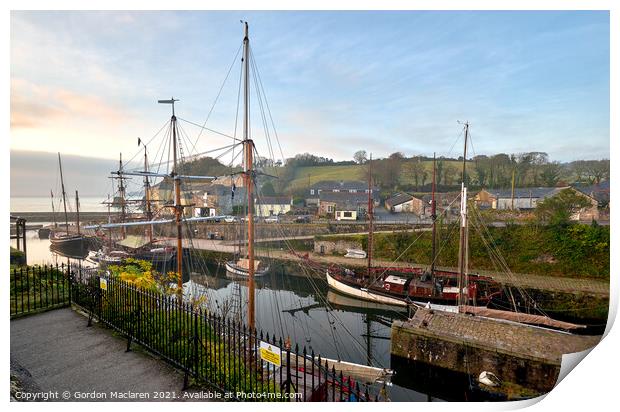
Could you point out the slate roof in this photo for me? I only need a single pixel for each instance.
(341, 185)
(526, 192)
(399, 199)
(274, 200)
(600, 191)
(345, 200)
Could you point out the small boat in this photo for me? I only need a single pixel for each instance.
(44, 232)
(240, 268)
(64, 238)
(355, 253)
(157, 255)
(489, 379)
(113, 257)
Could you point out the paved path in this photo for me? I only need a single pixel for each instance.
(63, 354)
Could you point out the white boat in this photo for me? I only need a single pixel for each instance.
(362, 293)
(355, 253)
(489, 379)
(240, 268)
(113, 257)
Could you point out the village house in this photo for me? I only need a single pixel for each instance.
(336, 186)
(273, 205)
(524, 198)
(598, 195)
(403, 202)
(218, 200)
(345, 205)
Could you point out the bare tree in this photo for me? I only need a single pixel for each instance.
(360, 157)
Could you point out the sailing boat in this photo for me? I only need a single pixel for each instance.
(247, 266)
(444, 290)
(65, 239)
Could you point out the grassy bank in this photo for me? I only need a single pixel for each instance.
(572, 251)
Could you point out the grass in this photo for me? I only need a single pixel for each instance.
(315, 174)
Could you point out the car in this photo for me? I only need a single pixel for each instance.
(272, 219)
(231, 219)
(302, 219)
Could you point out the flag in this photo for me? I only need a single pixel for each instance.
(232, 194)
(139, 141)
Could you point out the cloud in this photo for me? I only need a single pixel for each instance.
(35, 106)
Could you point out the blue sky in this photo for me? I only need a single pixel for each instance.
(86, 83)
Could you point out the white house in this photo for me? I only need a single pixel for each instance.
(273, 205)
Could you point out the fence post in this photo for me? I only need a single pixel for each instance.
(288, 372)
(326, 381)
(131, 327)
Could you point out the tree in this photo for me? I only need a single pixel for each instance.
(558, 209)
(598, 170)
(387, 172)
(551, 173)
(416, 171)
(267, 189)
(360, 157)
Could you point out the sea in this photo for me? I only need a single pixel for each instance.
(44, 204)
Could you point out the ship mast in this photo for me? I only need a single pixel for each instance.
(248, 174)
(370, 217)
(434, 220)
(53, 209)
(178, 207)
(64, 195)
(121, 193)
(77, 211)
(147, 190)
(463, 245)
(109, 222)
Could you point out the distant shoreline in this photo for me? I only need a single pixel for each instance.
(71, 216)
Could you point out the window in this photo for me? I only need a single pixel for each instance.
(330, 209)
(347, 214)
(312, 191)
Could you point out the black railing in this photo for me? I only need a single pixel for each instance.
(39, 288)
(222, 354)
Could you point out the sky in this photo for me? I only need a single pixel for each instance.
(86, 83)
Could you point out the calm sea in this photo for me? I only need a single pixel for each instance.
(44, 204)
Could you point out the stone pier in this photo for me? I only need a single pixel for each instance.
(519, 355)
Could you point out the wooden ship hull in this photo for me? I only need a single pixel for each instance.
(401, 289)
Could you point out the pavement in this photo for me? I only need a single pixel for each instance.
(55, 355)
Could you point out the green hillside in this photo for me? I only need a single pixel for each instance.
(314, 174)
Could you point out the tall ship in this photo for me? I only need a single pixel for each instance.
(400, 286)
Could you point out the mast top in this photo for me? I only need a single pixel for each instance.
(245, 30)
(169, 101)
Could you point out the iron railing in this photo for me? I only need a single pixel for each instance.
(38, 288)
(225, 355)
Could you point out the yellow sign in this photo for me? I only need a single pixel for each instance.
(270, 353)
(103, 284)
